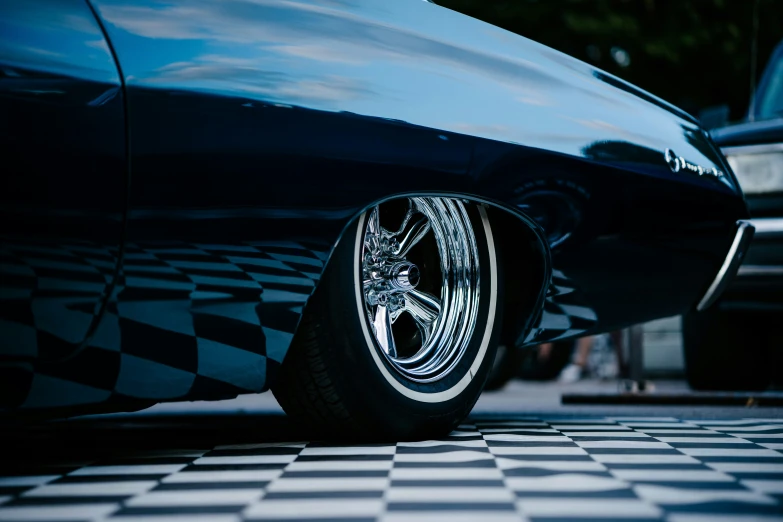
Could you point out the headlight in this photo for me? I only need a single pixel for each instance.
(759, 168)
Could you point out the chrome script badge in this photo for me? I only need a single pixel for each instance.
(678, 163)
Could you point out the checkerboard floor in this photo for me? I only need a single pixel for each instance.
(490, 469)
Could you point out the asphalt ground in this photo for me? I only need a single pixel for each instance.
(522, 455)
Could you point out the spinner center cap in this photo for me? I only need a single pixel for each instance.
(405, 276)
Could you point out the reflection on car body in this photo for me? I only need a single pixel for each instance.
(327, 199)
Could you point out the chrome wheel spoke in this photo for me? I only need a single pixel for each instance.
(373, 225)
(383, 330)
(424, 309)
(416, 227)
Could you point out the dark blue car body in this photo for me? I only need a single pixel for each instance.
(176, 175)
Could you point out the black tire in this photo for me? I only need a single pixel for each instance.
(337, 383)
(725, 350)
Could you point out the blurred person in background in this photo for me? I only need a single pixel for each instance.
(598, 356)
(605, 362)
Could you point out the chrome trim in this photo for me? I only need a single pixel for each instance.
(445, 322)
(728, 270)
(767, 227)
(741, 150)
(760, 270)
(679, 164)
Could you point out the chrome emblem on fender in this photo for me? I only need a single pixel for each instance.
(678, 164)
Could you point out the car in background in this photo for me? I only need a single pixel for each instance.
(736, 343)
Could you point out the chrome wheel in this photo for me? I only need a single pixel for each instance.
(420, 275)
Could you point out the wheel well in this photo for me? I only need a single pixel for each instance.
(525, 272)
(525, 260)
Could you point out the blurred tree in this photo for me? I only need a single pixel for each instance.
(693, 53)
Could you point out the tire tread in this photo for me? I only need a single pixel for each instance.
(304, 388)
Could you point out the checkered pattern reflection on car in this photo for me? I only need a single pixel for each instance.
(184, 321)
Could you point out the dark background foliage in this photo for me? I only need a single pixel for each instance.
(692, 53)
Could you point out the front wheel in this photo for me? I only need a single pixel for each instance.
(399, 337)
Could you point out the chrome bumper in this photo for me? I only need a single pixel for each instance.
(767, 227)
(731, 264)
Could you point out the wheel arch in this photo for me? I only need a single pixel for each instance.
(523, 253)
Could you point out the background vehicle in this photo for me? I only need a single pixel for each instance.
(349, 203)
(750, 311)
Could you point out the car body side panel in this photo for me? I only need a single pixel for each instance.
(62, 198)
(408, 61)
(280, 121)
(259, 129)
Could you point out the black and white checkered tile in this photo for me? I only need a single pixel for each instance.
(185, 321)
(490, 469)
(565, 313)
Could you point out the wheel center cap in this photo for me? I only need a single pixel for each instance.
(404, 276)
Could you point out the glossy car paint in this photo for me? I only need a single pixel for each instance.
(767, 103)
(62, 187)
(260, 129)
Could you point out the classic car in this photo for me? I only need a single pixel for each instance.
(748, 314)
(351, 202)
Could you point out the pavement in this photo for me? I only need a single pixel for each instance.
(522, 455)
(518, 397)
